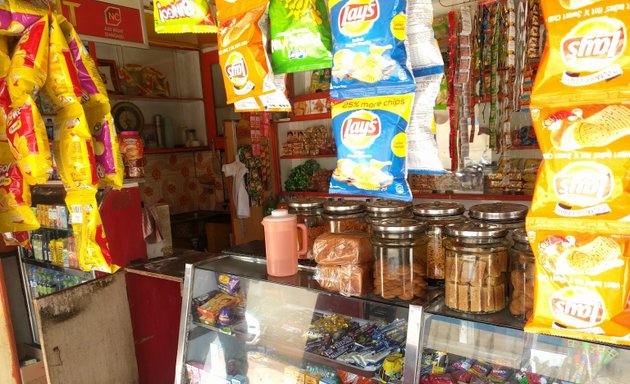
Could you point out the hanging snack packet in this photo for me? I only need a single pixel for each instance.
(249, 80)
(74, 152)
(26, 133)
(92, 248)
(5, 59)
(300, 35)
(369, 54)
(29, 64)
(17, 15)
(372, 146)
(5, 107)
(15, 195)
(62, 84)
(183, 16)
(109, 165)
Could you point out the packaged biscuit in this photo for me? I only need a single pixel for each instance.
(18, 15)
(582, 279)
(249, 80)
(372, 146)
(29, 64)
(183, 16)
(300, 35)
(29, 144)
(62, 84)
(369, 54)
(15, 195)
(92, 248)
(587, 53)
(109, 164)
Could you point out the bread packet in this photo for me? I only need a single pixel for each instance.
(343, 248)
(348, 280)
(184, 16)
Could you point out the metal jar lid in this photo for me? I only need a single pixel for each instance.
(498, 211)
(387, 206)
(344, 207)
(438, 208)
(398, 225)
(520, 236)
(306, 203)
(473, 229)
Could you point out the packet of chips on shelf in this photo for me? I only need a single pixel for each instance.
(183, 16)
(300, 35)
(371, 139)
(62, 84)
(29, 63)
(26, 133)
(249, 80)
(15, 195)
(17, 15)
(92, 248)
(74, 151)
(17, 239)
(109, 165)
(369, 54)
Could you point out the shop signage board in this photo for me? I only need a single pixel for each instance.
(119, 22)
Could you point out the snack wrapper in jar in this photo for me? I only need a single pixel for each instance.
(29, 64)
(183, 16)
(93, 89)
(62, 84)
(369, 54)
(371, 146)
(249, 80)
(300, 35)
(74, 151)
(109, 164)
(17, 239)
(15, 195)
(92, 248)
(26, 133)
(17, 15)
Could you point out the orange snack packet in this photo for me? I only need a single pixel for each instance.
(29, 64)
(15, 195)
(247, 73)
(62, 84)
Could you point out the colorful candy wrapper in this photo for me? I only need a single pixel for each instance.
(17, 15)
(29, 144)
(109, 164)
(92, 248)
(62, 84)
(300, 35)
(372, 146)
(183, 16)
(369, 54)
(15, 195)
(29, 64)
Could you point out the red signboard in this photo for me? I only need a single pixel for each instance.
(107, 20)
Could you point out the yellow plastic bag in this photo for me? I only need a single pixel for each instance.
(29, 64)
(15, 195)
(62, 84)
(17, 15)
(109, 164)
(5, 59)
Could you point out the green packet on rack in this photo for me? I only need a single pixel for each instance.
(184, 16)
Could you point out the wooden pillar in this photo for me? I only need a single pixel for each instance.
(9, 363)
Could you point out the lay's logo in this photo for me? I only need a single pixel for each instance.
(358, 16)
(594, 44)
(236, 69)
(577, 307)
(360, 129)
(584, 183)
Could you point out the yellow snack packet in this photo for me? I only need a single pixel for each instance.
(17, 15)
(5, 60)
(62, 84)
(183, 16)
(15, 195)
(109, 164)
(29, 64)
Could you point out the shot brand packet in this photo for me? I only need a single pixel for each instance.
(372, 146)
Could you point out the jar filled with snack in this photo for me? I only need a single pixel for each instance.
(309, 212)
(437, 215)
(522, 271)
(400, 249)
(345, 216)
(509, 215)
(384, 209)
(476, 267)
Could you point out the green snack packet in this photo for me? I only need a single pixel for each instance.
(184, 16)
(300, 35)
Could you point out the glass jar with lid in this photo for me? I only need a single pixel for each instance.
(522, 271)
(383, 209)
(399, 246)
(345, 216)
(509, 215)
(309, 212)
(476, 267)
(437, 215)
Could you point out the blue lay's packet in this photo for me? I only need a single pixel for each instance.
(371, 146)
(369, 54)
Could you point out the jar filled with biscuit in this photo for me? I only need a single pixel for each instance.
(509, 215)
(309, 212)
(345, 216)
(521, 276)
(437, 215)
(400, 249)
(385, 209)
(476, 264)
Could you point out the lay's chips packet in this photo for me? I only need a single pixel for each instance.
(371, 139)
(369, 54)
(183, 16)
